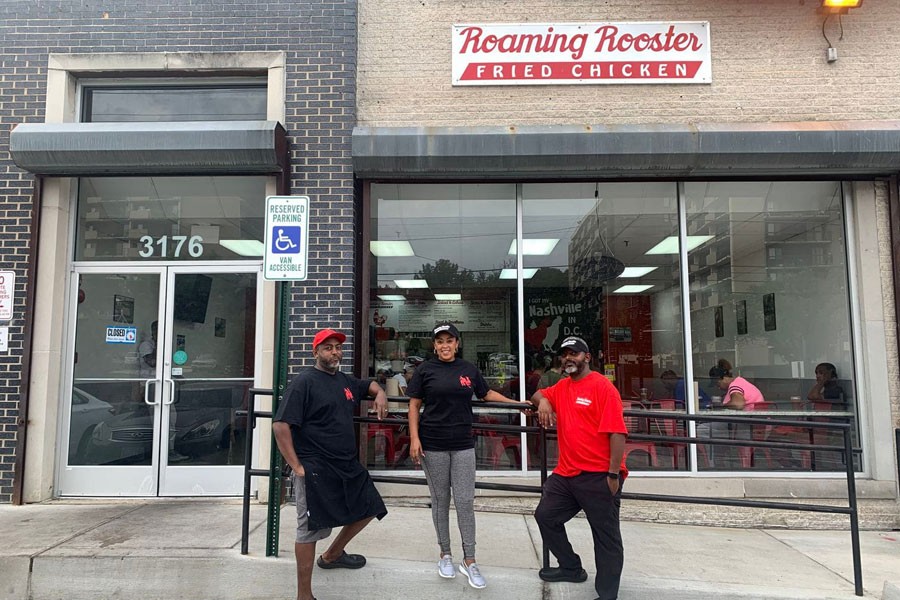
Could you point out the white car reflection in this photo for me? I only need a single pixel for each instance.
(87, 412)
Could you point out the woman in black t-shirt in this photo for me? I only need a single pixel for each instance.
(827, 388)
(443, 443)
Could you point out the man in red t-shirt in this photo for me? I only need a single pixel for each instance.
(587, 411)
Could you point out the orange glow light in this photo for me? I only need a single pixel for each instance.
(841, 3)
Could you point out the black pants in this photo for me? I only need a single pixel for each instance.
(561, 500)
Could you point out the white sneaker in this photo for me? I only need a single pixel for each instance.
(445, 567)
(474, 574)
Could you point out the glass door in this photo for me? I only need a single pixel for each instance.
(115, 412)
(210, 354)
(162, 358)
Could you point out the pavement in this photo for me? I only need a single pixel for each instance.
(190, 549)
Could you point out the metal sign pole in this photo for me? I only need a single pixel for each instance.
(279, 382)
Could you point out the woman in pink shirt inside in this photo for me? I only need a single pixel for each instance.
(740, 394)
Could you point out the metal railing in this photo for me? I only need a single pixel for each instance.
(839, 424)
(249, 471)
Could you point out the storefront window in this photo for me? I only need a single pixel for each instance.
(170, 218)
(770, 305)
(441, 253)
(592, 271)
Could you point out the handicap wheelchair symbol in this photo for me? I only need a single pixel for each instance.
(286, 240)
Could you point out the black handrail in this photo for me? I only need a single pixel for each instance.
(249, 471)
(846, 450)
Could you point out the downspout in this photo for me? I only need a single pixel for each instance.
(27, 345)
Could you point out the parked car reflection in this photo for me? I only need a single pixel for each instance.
(87, 412)
(204, 429)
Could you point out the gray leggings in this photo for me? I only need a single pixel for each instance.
(452, 470)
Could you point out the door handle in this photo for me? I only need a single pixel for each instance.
(171, 398)
(147, 399)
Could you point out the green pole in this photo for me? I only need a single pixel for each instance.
(279, 382)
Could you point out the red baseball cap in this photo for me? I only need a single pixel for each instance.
(328, 333)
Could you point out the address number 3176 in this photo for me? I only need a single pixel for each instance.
(170, 246)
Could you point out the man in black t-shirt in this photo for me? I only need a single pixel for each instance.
(313, 428)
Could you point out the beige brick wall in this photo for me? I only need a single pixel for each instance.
(768, 65)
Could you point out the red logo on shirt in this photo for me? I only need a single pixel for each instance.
(465, 381)
(348, 393)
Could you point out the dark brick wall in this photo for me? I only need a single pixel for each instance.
(319, 39)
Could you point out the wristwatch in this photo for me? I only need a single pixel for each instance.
(613, 476)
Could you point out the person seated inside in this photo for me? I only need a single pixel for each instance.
(740, 394)
(827, 388)
(676, 388)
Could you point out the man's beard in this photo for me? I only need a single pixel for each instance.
(574, 368)
(331, 366)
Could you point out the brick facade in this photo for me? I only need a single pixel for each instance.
(319, 39)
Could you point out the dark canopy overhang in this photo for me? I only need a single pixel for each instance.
(188, 147)
(817, 149)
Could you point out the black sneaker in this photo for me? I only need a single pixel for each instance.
(558, 574)
(345, 561)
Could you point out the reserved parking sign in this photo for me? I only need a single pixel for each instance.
(287, 238)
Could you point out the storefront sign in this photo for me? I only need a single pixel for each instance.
(287, 237)
(581, 53)
(7, 289)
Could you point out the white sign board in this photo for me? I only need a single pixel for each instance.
(287, 238)
(581, 53)
(7, 289)
(116, 334)
(4, 339)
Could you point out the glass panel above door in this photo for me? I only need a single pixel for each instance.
(170, 218)
(174, 103)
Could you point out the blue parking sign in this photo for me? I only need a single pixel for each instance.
(285, 239)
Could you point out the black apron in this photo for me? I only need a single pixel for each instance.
(339, 493)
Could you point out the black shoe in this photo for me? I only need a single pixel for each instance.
(345, 561)
(558, 574)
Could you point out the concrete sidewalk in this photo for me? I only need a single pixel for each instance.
(190, 549)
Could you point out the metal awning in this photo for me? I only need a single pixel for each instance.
(809, 149)
(188, 147)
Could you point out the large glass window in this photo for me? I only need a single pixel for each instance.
(768, 297)
(770, 309)
(170, 218)
(601, 262)
(442, 253)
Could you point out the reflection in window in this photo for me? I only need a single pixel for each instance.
(598, 273)
(170, 218)
(174, 103)
(603, 261)
(770, 304)
(441, 253)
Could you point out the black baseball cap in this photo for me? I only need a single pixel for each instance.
(445, 328)
(573, 343)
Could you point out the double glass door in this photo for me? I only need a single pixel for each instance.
(162, 360)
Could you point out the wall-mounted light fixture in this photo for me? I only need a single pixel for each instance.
(835, 7)
(840, 6)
